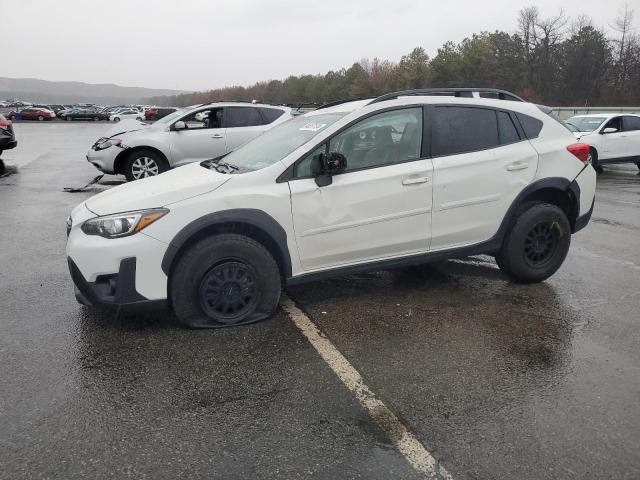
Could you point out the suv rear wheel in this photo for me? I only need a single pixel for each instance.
(536, 245)
(224, 280)
(144, 163)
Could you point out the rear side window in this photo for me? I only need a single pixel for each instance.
(508, 132)
(631, 123)
(530, 125)
(242, 117)
(270, 114)
(463, 129)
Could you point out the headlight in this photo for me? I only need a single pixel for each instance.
(106, 143)
(122, 224)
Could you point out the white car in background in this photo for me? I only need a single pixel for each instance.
(126, 114)
(614, 138)
(193, 134)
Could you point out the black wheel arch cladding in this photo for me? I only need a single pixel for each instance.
(262, 225)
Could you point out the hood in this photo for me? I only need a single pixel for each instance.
(124, 126)
(153, 192)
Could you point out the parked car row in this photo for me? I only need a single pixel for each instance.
(89, 112)
(349, 188)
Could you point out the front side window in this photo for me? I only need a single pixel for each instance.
(242, 117)
(382, 139)
(463, 129)
(211, 118)
(614, 123)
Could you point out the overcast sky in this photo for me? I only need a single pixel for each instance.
(203, 44)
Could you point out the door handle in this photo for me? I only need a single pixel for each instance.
(512, 167)
(415, 180)
(217, 135)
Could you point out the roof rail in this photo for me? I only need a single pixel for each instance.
(455, 92)
(339, 102)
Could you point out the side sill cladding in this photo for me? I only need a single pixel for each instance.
(256, 219)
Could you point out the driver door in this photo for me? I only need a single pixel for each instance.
(379, 207)
(202, 139)
(612, 145)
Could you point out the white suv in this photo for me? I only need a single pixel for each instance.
(403, 179)
(614, 138)
(193, 134)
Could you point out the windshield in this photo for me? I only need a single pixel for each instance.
(275, 144)
(586, 124)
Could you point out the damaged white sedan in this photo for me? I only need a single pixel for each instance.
(137, 150)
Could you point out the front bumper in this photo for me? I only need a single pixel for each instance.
(116, 289)
(119, 271)
(8, 144)
(104, 160)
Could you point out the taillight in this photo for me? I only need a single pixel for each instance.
(581, 151)
(5, 124)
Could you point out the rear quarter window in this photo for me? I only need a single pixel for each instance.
(531, 126)
(270, 114)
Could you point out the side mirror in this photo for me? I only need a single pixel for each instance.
(179, 125)
(609, 130)
(330, 165)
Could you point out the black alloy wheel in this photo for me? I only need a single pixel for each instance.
(228, 291)
(541, 243)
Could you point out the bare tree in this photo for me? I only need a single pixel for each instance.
(580, 22)
(627, 46)
(624, 26)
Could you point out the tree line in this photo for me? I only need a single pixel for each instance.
(555, 60)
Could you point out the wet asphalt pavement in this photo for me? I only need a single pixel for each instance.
(496, 380)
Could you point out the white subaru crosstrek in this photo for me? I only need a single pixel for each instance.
(193, 134)
(613, 138)
(403, 179)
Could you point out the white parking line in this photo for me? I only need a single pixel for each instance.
(408, 445)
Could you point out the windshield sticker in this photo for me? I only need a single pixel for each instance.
(313, 127)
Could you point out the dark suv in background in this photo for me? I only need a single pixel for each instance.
(7, 137)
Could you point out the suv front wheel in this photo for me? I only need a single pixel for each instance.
(536, 245)
(224, 280)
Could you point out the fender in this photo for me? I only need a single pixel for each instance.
(558, 183)
(257, 219)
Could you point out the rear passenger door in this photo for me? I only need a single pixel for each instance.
(631, 129)
(481, 162)
(242, 124)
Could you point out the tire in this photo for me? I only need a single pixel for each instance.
(116, 119)
(144, 163)
(40, 118)
(537, 243)
(224, 263)
(68, 119)
(139, 119)
(95, 119)
(594, 160)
